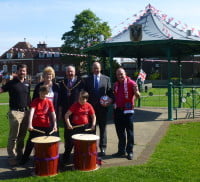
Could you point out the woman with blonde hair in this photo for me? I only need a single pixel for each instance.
(48, 80)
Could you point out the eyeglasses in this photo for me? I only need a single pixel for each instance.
(84, 97)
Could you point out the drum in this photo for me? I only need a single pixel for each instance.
(46, 155)
(85, 152)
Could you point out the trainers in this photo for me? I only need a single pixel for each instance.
(119, 154)
(130, 156)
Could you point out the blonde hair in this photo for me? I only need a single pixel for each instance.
(50, 70)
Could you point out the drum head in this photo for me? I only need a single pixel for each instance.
(86, 137)
(46, 139)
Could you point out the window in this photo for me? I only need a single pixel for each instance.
(9, 55)
(20, 54)
(56, 67)
(5, 68)
(63, 67)
(49, 54)
(14, 68)
(41, 68)
(41, 54)
(56, 54)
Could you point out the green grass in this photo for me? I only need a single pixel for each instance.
(3, 125)
(176, 158)
(4, 97)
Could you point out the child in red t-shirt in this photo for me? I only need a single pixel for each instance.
(77, 121)
(39, 119)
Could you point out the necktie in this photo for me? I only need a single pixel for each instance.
(70, 83)
(96, 84)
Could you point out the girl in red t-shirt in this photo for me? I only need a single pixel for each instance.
(77, 120)
(41, 111)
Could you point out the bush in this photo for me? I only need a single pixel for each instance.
(154, 76)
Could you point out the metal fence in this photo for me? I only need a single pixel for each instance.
(186, 100)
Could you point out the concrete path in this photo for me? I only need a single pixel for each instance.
(149, 127)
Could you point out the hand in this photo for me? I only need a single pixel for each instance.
(55, 128)
(69, 127)
(93, 127)
(30, 128)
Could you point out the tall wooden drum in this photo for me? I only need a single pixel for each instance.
(46, 155)
(85, 152)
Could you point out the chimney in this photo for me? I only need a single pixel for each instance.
(188, 32)
(42, 45)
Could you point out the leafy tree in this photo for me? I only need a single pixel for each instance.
(86, 31)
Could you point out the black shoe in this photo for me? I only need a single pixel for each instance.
(130, 156)
(65, 159)
(119, 154)
(102, 153)
(24, 160)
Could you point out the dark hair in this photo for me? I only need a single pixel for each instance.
(21, 66)
(83, 93)
(44, 88)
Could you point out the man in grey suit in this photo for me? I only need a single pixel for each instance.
(98, 85)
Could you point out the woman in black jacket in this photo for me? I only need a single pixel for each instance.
(48, 79)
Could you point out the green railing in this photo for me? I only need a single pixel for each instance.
(184, 99)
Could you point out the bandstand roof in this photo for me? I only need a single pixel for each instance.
(158, 38)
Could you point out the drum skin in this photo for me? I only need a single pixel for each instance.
(46, 155)
(85, 152)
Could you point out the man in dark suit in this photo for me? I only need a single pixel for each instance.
(69, 92)
(98, 85)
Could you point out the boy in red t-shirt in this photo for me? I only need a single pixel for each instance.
(79, 114)
(41, 111)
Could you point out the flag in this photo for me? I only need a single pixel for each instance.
(1, 72)
(142, 75)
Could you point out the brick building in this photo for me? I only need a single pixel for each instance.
(37, 59)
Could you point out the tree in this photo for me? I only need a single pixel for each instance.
(86, 31)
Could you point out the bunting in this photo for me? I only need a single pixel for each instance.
(158, 14)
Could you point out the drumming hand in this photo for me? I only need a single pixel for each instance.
(30, 128)
(69, 127)
(55, 128)
(93, 127)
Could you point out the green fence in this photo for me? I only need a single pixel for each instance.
(186, 100)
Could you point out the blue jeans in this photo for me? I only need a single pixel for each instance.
(124, 129)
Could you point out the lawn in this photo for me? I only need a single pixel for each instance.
(176, 158)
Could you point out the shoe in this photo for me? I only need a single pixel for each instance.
(19, 158)
(119, 154)
(102, 153)
(12, 162)
(130, 156)
(24, 160)
(65, 158)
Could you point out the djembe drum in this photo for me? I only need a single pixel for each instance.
(46, 155)
(85, 152)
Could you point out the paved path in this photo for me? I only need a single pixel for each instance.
(149, 127)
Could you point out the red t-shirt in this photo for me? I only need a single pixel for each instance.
(43, 107)
(80, 113)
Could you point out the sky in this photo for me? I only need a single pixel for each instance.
(47, 20)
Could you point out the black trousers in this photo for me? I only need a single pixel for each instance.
(101, 117)
(33, 134)
(124, 129)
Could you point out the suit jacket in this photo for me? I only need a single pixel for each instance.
(65, 101)
(104, 89)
